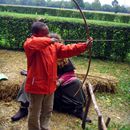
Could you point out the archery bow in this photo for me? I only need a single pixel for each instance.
(89, 51)
(90, 54)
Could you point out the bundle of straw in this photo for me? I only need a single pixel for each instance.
(104, 83)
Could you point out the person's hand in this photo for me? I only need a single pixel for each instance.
(89, 42)
(58, 82)
(54, 40)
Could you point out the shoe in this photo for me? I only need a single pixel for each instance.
(88, 120)
(81, 116)
(23, 112)
(24, 72)
(45, 129)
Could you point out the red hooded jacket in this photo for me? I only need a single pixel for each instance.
(42, 62)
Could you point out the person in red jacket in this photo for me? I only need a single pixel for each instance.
(42, 53)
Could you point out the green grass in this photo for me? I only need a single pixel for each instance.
(116, 106)
(119, 102)
(117, 69)
(113, 127)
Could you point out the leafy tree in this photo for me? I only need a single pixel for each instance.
(123, 9)
(80, 2)
(40, 2)
(48, 1)
(96, 5)
(67, 4)
(115, 5)
(128, 9)
(7, 1)
(24, 2)
(3, 1)
(107, 7)
(88, 6)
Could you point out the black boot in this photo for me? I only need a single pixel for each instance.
(23, 112)
(88, 120)
(80, 114)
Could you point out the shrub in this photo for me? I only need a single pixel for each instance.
(16, 27)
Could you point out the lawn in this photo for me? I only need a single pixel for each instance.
(117, 103)
(116, 106)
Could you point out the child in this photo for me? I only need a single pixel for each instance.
(42, 54)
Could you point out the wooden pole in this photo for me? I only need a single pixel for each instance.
(108, 121)
(100, 123)
(96, 107)
(86, 109)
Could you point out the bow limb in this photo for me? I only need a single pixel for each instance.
(83, 16)
(89, 50)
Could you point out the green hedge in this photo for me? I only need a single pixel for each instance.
(66, 13)
(16, 27)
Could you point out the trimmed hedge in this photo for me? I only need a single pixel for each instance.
(16, 27)
(94, 15)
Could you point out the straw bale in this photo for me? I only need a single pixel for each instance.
(103, 83)
(9, 88)
(11, 63)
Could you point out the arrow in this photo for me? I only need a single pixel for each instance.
(96, 40)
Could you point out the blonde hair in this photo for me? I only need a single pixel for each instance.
(62, 62)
